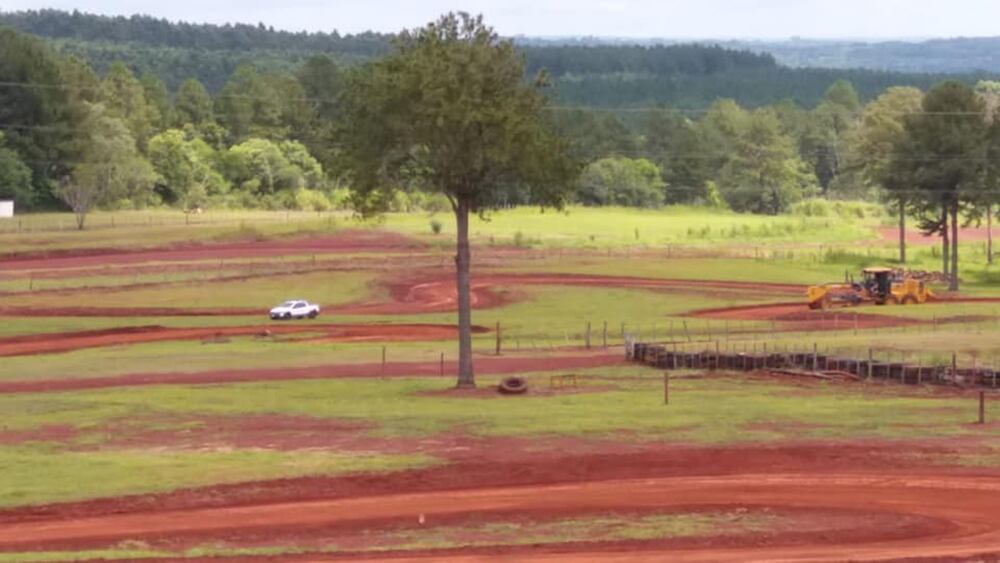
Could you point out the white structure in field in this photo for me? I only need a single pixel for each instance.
(6, 209)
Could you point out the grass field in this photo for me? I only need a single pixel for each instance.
(59, 445)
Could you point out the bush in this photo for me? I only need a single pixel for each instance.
(812, 208)
(436, 226)
(311, 200)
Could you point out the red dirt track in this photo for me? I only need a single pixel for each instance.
(964, 507)
(342, 242)
(66, 341)
(437, 294)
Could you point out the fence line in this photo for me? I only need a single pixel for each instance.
(865, 368)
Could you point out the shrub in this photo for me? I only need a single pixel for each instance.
(436, 226)
(311, 200)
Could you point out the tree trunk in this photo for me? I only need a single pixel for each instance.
(81, 219)
(902, 232)
(989, 233)
(945, 247)
(463, 259)
(954, 248)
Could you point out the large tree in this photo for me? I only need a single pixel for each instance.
(111, 169)
(40, 110)
(764, 173)
(193, 104)
(124, 97)
(880, 129)
(832, 121)
(944, 150)
(451, 104)
(989, 92)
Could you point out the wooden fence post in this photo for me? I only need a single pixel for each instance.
(666, 388)
(604, 335)
(815, 358)
(499, 338)
(982, 407)
(586, 339)
(442, 364)
(383, 360)
(870, 360)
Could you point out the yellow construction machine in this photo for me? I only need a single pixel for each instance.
(878, 285)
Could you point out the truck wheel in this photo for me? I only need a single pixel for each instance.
(287, 316)
(313, 314)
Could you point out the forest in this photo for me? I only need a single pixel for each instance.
(82, 136)
(584, 74)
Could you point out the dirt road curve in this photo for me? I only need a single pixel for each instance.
(965, 507)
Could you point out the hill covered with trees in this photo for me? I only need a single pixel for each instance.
(583, 74)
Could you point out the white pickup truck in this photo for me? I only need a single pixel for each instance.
(295, 309)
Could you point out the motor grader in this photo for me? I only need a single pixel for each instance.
(880, 286)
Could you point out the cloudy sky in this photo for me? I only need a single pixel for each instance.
(617, 18)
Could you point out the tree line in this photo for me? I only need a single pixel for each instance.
(274, 139)
(592, 75)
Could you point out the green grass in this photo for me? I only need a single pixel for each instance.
(189, 356)
(35, 474)
(615, 227)
(325, 288)
(45, 232)
(720, 269)
(610, 527)
(705, 410)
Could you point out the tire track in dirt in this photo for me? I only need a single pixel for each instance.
(965, 506)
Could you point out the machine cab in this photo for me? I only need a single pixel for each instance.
(878, 282)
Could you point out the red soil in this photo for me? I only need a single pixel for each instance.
(438, 294)
(956, 515)
(66, 341)
(802, 317)
(484, 365)
(341, 242)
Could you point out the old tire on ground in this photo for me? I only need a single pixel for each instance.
(513, 386)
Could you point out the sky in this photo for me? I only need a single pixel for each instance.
(681, 19)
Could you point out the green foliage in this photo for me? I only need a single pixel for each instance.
(451, 105)
(124, 98)
(193, 104)
(269, 173)
(621, 181)
(186, 167)
(851, 210)
(111, 170)
(41, 124)
(15, 177)
(764, 173)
